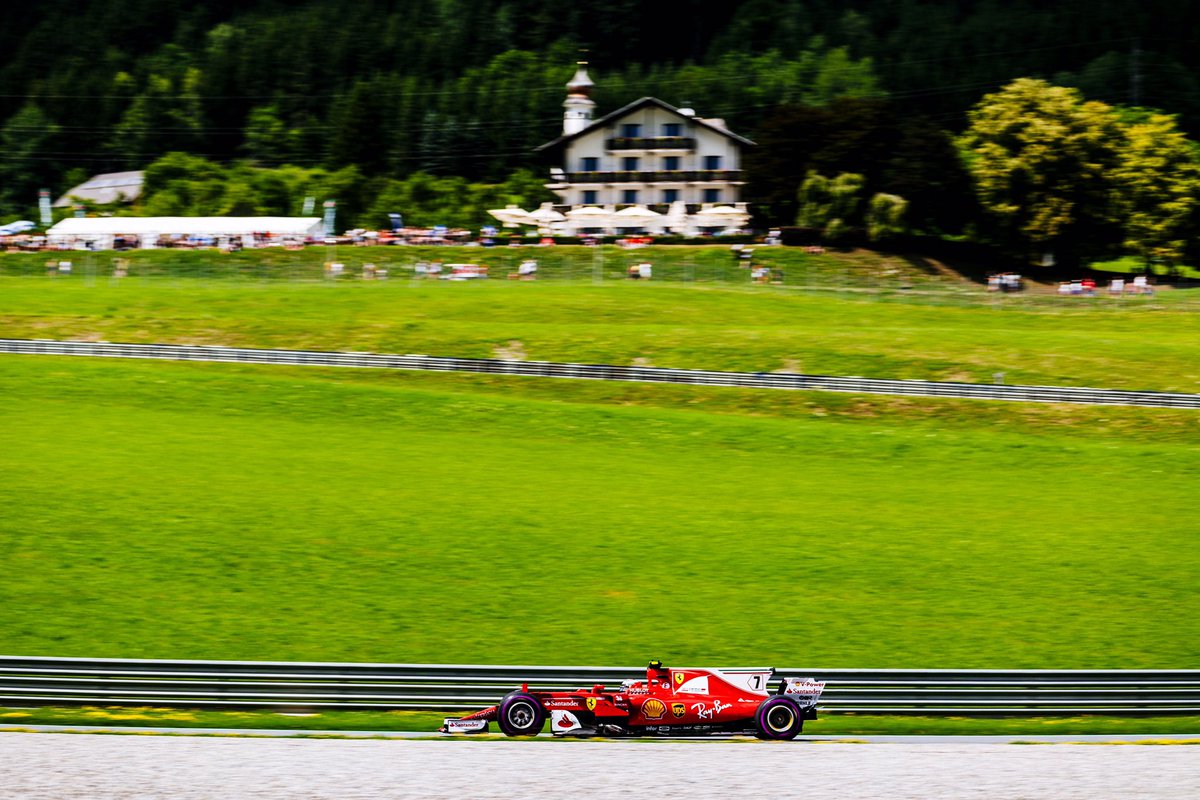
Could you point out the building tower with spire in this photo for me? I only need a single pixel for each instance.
(647, 156)
(578, 106)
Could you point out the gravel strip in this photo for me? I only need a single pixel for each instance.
(64, 767)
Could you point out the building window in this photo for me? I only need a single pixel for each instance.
(670, 163)
(629, 196)
(670, 195)
(591, 163)
(629, 163)
(672, 129)
(631, 130)
(712, 162)
(712, 195)
(589, 197)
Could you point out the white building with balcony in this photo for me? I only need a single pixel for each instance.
(648, 153)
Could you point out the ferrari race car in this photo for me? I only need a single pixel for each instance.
(669, 702)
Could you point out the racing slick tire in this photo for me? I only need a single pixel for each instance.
(778, 718)
(521, 714)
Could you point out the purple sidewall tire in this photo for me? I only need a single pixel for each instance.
(777, 725)
(516, 701)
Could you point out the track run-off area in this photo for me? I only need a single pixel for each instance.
(605, 372)
(65, 767)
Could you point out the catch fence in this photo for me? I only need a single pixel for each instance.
(547, 369)
(294, 686)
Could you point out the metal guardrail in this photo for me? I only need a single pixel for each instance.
(29, 681)
(546, 369)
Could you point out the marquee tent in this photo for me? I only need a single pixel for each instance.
(101, 230)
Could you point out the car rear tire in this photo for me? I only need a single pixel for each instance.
(521, 714)
(778, 718)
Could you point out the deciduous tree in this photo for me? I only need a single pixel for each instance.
(1041, 159)
(1158, 180)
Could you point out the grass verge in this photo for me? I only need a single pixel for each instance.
(827, 724)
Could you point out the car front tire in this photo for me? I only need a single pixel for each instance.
(521, 714)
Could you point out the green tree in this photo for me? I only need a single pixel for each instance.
(885, 216)
(266, 136)
(1041, 160)
(1158, 179)
(27, 143)
(166, 116)
(839, 75)
(831, 205)
(357, 135)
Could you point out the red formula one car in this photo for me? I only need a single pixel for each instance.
(669, 702)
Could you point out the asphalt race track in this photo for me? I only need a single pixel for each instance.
(34, 766)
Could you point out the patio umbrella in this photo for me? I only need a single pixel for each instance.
(728, 216)
(589, 214)
(677, 217)
(546, 214)
(590, 217)
(637, 215)
(546, 218)
(512, 216)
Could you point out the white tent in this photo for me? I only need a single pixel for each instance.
(101, 230)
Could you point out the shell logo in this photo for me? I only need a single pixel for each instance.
(654, 708)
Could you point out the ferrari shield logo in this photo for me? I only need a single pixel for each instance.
(677, 709)
(678, 678)
(591, 703)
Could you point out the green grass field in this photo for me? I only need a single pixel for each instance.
(705, 265)
(220, 511)
(1113, 344)
(171, 510)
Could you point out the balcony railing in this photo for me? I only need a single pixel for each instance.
(669, 176)
(650, 143)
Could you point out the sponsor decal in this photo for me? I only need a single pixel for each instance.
(748, 681)
(563, 721)
(465, 725)
(591, 703)
(654, 708)
(694, 686)
(678, 709)
(704, 712)
(569, 702)
(804, 686)
(679, 676)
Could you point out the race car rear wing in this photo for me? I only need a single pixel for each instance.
(805, 691)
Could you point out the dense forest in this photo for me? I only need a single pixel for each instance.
(463, 90)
